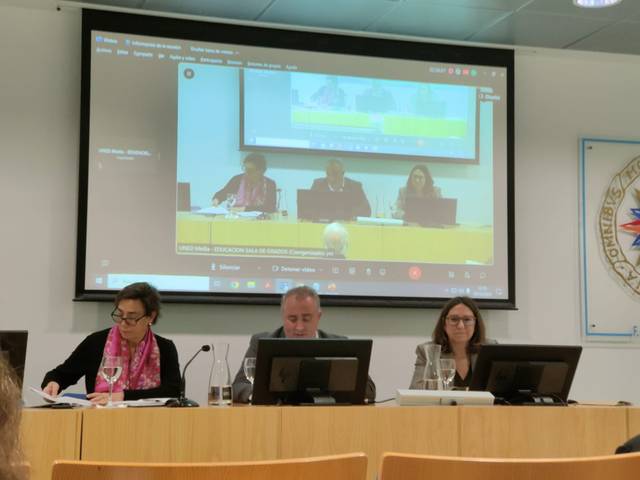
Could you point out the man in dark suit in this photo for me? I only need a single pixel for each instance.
(301, 312)
(335, 181)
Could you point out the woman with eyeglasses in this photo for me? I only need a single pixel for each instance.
(460, 331)
(149, 362)
(251, 190)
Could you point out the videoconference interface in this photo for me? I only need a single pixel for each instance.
(219, 168)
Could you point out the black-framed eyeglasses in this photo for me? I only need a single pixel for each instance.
(117, 317)
(466, 321)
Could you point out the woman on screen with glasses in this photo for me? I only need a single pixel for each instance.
(149, 362)
(419, 184)
(251, 190)
(460, 331)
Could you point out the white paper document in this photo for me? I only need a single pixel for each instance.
(61, 398)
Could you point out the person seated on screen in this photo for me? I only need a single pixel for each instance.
(335, 181)
(301, 312)
(375, 99)
(330, 95)
(150, 362)
(460, 331)
(419, 184)
(250, 191)
(12, 466)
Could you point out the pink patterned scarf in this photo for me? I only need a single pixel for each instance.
(251, 197)
(141, 372)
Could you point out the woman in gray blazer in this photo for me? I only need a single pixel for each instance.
(460, 331)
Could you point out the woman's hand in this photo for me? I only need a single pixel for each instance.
(52, 389)
(100, 398)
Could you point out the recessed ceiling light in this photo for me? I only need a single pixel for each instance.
(595, 3)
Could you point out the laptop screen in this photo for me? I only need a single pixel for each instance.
(13, 348)
(429, 212)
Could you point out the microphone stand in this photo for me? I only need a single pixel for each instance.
(183, 401)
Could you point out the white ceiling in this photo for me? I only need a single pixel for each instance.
(539, 23)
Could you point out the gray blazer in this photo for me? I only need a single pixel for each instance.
(242, 386)
(417, 381)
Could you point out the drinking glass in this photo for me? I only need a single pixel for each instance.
(110, 370)
(231, 200)
(447, 371)
(249, 367)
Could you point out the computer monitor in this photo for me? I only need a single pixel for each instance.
(526, 374)
(184, 197)
(13, 348)
(430, 212)
(326, 206)
(311, 371)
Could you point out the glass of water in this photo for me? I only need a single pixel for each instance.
(249, 367)
(447, 371)
(110, 370)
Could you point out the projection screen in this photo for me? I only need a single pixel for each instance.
(231, 162)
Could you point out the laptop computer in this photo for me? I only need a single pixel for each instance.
(431, 212)
(323, 206)
(184, 197)
(13, 348)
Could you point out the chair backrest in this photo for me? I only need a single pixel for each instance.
(396, 466)
(337, 467)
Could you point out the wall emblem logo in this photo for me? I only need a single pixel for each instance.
(619, 225)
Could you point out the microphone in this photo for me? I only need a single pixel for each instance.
(183, 401)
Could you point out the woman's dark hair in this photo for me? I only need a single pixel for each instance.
(256, 159)
(428, 184)
(439, 335)
(144, 292)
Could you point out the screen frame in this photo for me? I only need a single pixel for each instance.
(489, 353)
(296, 38)
(270, 348)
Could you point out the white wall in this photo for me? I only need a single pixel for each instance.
(559, 97)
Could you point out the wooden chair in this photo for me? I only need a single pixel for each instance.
(336, 467)
(397, 466)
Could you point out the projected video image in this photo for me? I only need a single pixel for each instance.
(310, 111)
(258, 204)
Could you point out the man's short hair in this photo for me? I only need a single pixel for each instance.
(301, 293)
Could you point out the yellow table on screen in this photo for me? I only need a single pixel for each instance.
(457, 245)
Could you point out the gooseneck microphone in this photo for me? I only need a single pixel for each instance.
(183, 401)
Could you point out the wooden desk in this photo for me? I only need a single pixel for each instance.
(260, 433)
(48, 435)
(460, 244)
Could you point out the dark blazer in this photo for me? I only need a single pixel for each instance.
(360, 206)
(85, 362)
(242, 386)
(233, 185)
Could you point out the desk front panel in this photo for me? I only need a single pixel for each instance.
(540, 431)
(181, 435)
(312, 431)
(633, 421)
(49, 435)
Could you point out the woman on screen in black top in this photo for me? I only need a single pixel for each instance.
(149, 362)
(460, 331)
(419, 184)
(250, 191)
